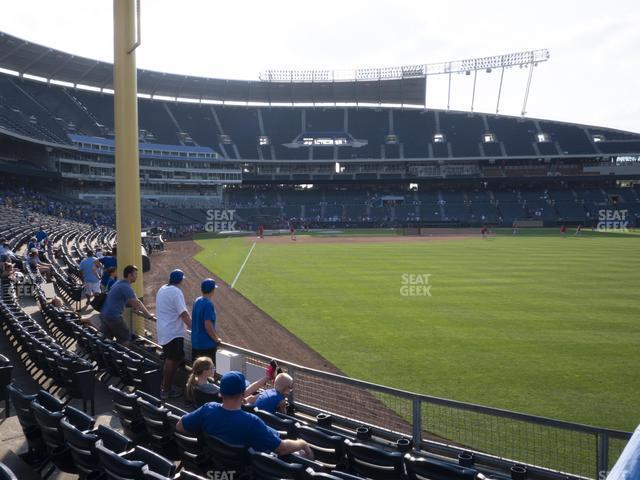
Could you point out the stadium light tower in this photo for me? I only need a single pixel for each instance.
(126, 38)
(528, 58)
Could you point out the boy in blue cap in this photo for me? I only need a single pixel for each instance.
(228, 422)
(204, 336)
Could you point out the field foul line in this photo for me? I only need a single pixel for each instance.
(233, 284)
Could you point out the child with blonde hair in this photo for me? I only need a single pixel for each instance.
(201, 370)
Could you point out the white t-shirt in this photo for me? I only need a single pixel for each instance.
(169, 305)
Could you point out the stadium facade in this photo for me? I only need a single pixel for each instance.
(322, 152)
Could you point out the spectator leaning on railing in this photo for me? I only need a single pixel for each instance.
(121, 294)
(204, 336)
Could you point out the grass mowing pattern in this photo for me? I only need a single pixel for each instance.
(533, 323)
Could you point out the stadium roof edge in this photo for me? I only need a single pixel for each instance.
(28, 58)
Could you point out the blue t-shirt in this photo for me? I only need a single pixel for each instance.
(116, 300)
(86, 267)
(107, 262)
(110, 283)
(269, 400)
(236, 427)
(203, 309)
(41, 235)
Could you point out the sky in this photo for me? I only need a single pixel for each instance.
(592, 77)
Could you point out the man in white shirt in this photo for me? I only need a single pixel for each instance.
(173, 320)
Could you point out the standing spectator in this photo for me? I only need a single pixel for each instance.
(90, 276)
(109, 260)
(204, 336)
(111, 278)
(41, 235)
(112, 323)
(173, 321)
(231, 424)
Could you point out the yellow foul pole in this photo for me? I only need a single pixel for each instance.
(126, 123)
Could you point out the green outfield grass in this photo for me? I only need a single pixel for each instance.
(533, 323)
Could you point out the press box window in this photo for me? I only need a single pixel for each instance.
(488, 138)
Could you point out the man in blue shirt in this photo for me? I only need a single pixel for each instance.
(108, 261)
(274, 399)
(204, 337)
(89, 275)
(231, 424)
(119, 296)
(41, 235)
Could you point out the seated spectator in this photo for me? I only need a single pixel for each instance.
(202, 370)
(33, 243)
(228, 422)
(275, 399)
(5, 249)
(7, 270)
(37, 264)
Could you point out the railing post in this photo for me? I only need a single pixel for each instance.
(417, 422)
(291, 371)
(602, 466)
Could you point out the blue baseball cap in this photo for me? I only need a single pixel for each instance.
(176, 276)
(208, 285)
(232, 383)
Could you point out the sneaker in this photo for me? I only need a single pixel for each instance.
(173, 393)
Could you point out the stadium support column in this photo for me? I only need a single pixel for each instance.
(126, 123)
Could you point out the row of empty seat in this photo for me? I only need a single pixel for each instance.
(50, 112)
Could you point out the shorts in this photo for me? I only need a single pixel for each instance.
(174, 350)
(91, 288)
(115, 328)
(204, 352)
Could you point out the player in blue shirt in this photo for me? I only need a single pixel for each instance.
(204, 336)
(231, 424)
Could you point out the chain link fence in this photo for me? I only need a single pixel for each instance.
(497, 435)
